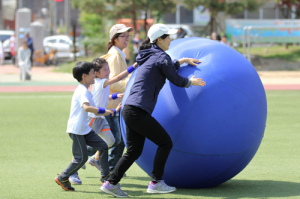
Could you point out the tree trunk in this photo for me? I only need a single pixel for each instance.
(211, 23)
(298, 13)
(74, 41)
(134, 16)
(145, 21)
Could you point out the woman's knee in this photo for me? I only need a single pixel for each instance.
(133, 155)
(168, 144)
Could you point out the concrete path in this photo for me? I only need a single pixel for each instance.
(43, 79)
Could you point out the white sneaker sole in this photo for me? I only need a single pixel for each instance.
(111, 193)
(156, 191)
(93, 164)
(73, 182)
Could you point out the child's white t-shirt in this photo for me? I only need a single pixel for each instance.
(100, 95)
(78, 120)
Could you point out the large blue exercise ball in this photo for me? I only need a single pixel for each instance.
(216, 129)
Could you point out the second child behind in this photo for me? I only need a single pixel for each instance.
(78, 128)
(101, 97)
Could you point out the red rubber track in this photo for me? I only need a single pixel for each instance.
(10, 89)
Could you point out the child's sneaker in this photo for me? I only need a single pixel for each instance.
(64, 183)
(160, 187)
(114, 190)
(75, 179)
(104, 179)
(95, 163)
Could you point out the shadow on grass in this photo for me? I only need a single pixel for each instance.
(231, 190)
(246, 188)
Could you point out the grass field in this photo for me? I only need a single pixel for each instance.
(280, 52)
(35, 148)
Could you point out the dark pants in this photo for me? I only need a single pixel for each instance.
(116, 150)
(80, 153)
(141, 125)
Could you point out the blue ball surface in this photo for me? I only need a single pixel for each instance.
(216, 129)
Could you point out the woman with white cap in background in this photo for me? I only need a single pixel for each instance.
(119, 40)
(155, 66)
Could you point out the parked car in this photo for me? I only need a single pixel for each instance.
(4, 37)
(63, 45)
(5, 34)
(190, 32)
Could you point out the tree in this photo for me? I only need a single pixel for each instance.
(114, 9)
(95, 13)
(228, 7)
(289, 4)
(92, 28)
(158, 8)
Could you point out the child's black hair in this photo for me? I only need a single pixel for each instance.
(98, 63)
(81, 68)
(146, 44)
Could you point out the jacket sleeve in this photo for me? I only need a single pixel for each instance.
(115, 66)
(176, 64)
(169, 70)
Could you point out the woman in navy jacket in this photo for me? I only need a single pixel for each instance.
(155, 66)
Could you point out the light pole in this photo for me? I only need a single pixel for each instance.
(46, 20)
(67, 16)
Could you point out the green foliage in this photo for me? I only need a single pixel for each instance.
(116, 9)
(289, 4)
(216, 6)
(93, 29)
(232, 7)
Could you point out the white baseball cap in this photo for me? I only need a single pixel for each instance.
(158, 30)
(119, 28)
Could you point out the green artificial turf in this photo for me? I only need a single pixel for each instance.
(35, 148)
(280, 52)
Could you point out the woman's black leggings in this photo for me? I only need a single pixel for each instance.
(141, 125)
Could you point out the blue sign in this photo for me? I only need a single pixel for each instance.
(264, 31)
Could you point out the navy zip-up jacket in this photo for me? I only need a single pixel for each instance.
(155, 66)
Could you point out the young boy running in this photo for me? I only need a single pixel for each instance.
(101, 96)
(78, 128)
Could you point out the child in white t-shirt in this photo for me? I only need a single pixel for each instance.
(78, 128)
(101, 96)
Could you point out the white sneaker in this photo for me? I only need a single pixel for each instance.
(160, 187)
(114, 190)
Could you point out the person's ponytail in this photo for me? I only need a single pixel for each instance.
(112, 41)
(146, 44)
(109, 45)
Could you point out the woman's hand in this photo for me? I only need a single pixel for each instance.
(135, 65)
(109, 112)
(120, 95)
(197, 81)
(190, 61)
(119, 107)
